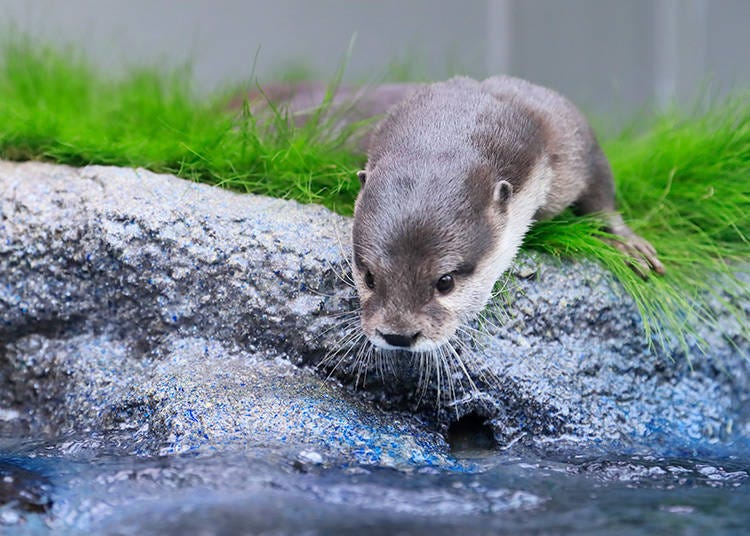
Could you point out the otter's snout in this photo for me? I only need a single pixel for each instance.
(401, 341)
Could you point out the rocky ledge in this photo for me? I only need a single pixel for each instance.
(190, 317)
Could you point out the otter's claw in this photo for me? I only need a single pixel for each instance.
(642, 254)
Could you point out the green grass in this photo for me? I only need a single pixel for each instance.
(684, 184)
(683, 180)
(55, 107)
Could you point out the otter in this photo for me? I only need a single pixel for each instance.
(457, 172)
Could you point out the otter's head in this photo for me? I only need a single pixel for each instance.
(426, 253)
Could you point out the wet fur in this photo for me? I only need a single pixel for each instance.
(427, 206)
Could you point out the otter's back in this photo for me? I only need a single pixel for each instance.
(505, 122)
(570, 144)
(434, 120)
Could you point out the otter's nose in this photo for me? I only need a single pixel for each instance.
(403, 341)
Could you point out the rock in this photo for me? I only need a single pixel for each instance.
(133, 301)
(189, 315)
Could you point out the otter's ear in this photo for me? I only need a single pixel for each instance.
(501, 194)
(362, 175)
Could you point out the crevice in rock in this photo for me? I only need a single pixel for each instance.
(472, 432)
(50, 328)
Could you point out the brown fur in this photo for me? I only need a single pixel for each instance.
(457, 171)
(426, 207)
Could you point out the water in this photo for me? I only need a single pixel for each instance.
(95, 487)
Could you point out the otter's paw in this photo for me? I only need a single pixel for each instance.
(643, 258)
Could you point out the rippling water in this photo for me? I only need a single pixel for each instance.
(89, 486)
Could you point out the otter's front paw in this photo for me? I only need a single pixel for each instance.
(643, 258)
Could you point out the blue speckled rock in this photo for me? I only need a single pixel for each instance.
(182, 313)
(133, 301)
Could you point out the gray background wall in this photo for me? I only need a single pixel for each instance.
(610, 56)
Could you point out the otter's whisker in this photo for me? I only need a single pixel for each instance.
(389, 364)
(377, 362)
(343, 343)
(326, 360)
(498, 313)
(342, 252)
(459, 360)
(319, 293)
(341, 354)
(469, 328)
(447, 365)
(503, 287)
(361, 363)
(438, 375)
(347, 324)
(477, 343)
(355, 341)
(361, 359)
(484, 319)
(424, 359)
(343, 276)
(497, 305)
(354, 313)
(488, 376)
(473, 334)
(479, 339)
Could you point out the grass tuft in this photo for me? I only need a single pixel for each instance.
(54, 106)
(683, 183)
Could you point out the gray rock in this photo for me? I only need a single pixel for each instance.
(187, 315)
(146, 303)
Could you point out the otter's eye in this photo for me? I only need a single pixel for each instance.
(445, 284)
(369, 280)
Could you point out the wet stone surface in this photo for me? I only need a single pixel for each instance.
(261, 491)
(130, 300)
(159, 338)
(136, 300)
(27, 490)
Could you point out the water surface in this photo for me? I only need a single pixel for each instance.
(91, 484)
